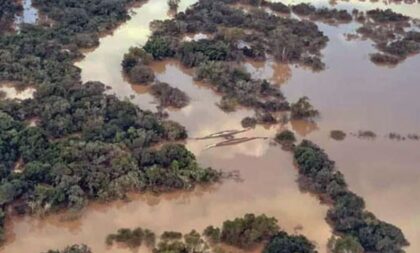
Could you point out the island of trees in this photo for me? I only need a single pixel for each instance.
(347, 214)
(234, 35)
(136, 66)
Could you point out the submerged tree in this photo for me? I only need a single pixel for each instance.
(73, 249)
(173, 4)
(302, 109)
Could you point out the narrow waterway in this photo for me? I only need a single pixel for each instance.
(352, 94)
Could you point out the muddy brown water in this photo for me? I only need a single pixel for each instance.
(11, 92)
(352, 94)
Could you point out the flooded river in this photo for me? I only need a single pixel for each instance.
(352, 94)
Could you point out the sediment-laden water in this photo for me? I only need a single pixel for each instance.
(352, 94)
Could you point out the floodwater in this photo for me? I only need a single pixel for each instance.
(11, 92)
(29, 14)
(352, 94)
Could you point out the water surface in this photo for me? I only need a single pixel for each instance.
(29, 14)
(352, 94)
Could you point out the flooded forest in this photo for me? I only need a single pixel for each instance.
(195, 126)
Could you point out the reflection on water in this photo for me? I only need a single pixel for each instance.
(351, 94)
(277, 73)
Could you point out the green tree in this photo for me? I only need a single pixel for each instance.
(346, 244)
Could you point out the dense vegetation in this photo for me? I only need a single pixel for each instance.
(345, 244)
(347, 214)
(135, 66)
(253, 230)
(86, 144)
(322, 14)
(240, 89)
(284, 243)
(236, 34)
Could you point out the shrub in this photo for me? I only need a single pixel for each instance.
(141, 74)
(135, 56)
(248, 122)
(130, 238)
(169, 96)
(302, 109)
(73, 249)
(337, 135)
(159, 47)
(344, 245)
(248, 231)
(212, 234)
(284, 243)
(384, 59)
(286, 136)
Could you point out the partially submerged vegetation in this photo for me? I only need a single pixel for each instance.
(136, 66)
(338, 135)
(286, 138)
(87, 145)
(345, 244)
(234, 35)
(237, 34)
(245, 233)
(249, 231)
(302, 109)
(173, 4)
(73, 249)
(367, 134)
(347, 214)
(240, 89)
(392, 33)
(132, 238)
(169, 96)
(324, 14)
(276, 6)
